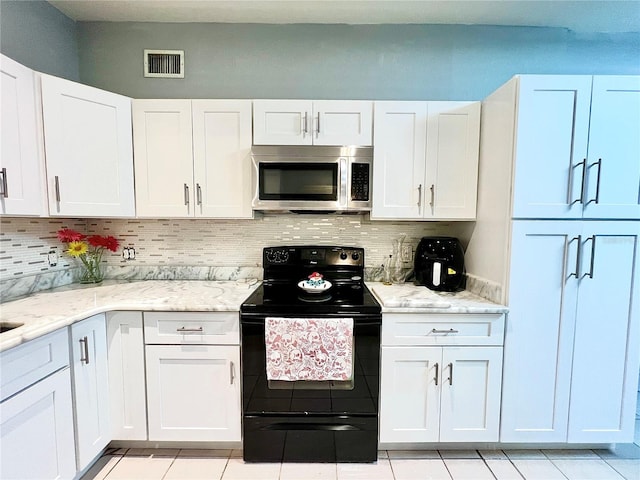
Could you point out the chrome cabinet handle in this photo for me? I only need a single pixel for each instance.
(318, 125)
(198, 194)
(592, 239)
(4, 191)
(433, 199)
(84, 350)
(186, 194)
(419, 195)
(437, 371)
(584, 169)
(56, 181)
(578, 256)
(305, 126)
(451, 330)
(450, 374)
(232, 374)
(186, 330)
(597, 197)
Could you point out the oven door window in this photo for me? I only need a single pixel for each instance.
(298, 181)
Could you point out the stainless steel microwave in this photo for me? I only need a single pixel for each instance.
(309, 178)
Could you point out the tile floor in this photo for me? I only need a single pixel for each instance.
(167, 464)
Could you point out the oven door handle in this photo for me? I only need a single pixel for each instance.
(355, 324)
(341, 427)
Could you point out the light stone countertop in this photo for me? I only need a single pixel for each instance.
(407, 297)
(45, 312)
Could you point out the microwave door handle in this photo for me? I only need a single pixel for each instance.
(343, 171)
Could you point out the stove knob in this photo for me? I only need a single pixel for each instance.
(355, 255)
(343, 255)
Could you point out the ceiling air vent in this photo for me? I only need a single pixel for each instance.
(164, 63)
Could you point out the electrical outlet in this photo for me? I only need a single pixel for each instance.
(407, 253)
(52, 258)
(129, 253)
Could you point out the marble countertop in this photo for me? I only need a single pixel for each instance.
(45, 312)
(407, 297)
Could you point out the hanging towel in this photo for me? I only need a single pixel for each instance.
(309, 348)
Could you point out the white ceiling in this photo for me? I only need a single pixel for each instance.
(580, 16)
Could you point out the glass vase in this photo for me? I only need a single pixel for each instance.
(91, 269)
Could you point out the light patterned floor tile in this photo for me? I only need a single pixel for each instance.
(140, 468)
(466, 469)
(192, 468)
(381, 470)
(237, 469)
(629, 469)
(571, 454)
(419, 469)
(429, 454)
(102, 467)
(468, 454)
(493, 455)
(586, 469)
(535, 469)
(503, 469)
(621, 450)
(308, 471)
(525, 454)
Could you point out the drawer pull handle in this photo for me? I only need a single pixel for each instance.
(84, 350)
(232, 374)
(436, 377)
(451, 330)
(190, 330)
(451, 374)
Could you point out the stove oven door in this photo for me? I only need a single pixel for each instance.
(311, 421)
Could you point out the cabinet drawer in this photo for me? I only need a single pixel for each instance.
(26, 364)
(177, 328)
(442, 329)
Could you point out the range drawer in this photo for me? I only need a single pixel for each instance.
(179, 328)
(27, 364)
(442, 329)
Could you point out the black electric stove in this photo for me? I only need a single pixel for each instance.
(303, 421)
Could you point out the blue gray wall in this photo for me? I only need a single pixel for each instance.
(436, 62)
(37, 35)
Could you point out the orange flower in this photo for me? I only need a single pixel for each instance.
(77, 248)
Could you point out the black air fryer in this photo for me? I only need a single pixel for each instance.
(439, 264)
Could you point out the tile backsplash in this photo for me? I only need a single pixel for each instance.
(25, 243)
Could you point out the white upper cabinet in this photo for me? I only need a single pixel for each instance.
(88, 149)
(306, 122)
(577, 148)
(192, 158)
(425, 160)
(21, 161)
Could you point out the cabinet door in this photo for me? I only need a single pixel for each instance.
(193, 392)
(282, 122)
(613, 166)
(453, 138)
(88, 149)
(410, 394)
(163, 158)
(342, 122)
(470, 399)
(607, 338)
(399, 160)
(551, 146)
(21, 163)
(221, 158)
(91, 387)
(36, 431)
(127, 391)
(539, 332)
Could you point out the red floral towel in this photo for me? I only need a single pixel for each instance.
(309, 348)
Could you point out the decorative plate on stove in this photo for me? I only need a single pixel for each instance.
(314, 287)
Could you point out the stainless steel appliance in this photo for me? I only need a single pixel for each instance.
(311, 421)
(308, 178)
(439, 264)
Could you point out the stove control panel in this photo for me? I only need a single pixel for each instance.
(277, 256)
(314, 256)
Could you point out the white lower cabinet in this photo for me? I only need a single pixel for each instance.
(127, 392)
(431, 394)
(193, 385)
(36, 418)
(90, 388)
(448, 393)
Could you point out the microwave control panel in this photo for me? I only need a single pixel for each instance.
(360, 182)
